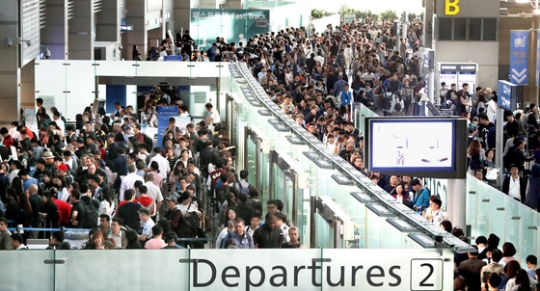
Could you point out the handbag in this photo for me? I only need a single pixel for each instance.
(492, 174)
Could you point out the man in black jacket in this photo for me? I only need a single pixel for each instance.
(269, 235)
(516, 156)
(515, 186)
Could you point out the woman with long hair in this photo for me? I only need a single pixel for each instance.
(27, 212)
(59, 182)
(512, 268)
(49, 212)
(107, 205)
(131, 240)
(476, 156)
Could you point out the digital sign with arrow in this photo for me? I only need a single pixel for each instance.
(519, 57)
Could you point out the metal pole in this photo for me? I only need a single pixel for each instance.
(499, 144)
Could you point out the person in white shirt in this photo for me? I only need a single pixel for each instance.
(153, 191)
(163, 163)
(17, 242)
(434, 213)
(13, 132)
(255, 223)
(147, 224)
(59, 122)
(212, 118)
(224, 232)
(281, 220)
(128, 181)
(515, 185)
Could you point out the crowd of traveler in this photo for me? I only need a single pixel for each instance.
(106, 174)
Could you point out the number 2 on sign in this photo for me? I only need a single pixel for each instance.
(423, 282)
(427, 274)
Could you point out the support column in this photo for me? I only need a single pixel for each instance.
(108, 22)
(457, 201)
(55, 32)
(28, 87)
(10, 74)
(81, 31)
(428, 25)
(182, 14)
(136, 12)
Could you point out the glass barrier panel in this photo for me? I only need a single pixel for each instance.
(126, 269)
(357, 213)
(51, 83)
(484, 196)
(325, 233)
(472, 206)
(497, 216)
(529, 232)
(80, 87)
(119, 69)
(27, 270)
(513, 221)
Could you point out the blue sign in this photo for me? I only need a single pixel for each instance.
(164, 113)
(126, 27)
(507, 95)
(519, 57)
(172, 58)
(538, 59)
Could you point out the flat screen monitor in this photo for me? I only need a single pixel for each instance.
(429, 147)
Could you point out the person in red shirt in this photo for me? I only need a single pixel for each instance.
(8, 140)
(146, 201)
(64, 211)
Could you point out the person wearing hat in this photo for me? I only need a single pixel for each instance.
(173, 214)
(48, 156)
(420, 199)
(514, 185)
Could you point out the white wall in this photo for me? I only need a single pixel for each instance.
(485, 53)
(70, 85)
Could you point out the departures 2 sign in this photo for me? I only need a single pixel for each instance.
(313, 269)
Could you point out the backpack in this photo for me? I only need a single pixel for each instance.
(148, 142)
(189, 224)
(387, 100)
(90, 216)
(221, 193)
(242, 189)
(475, 163)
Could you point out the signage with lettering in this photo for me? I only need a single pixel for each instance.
(234, 25)
(313, 269)
(451, 7)
(507, 95)
(164, 113)
(126, 27)
(519, 57)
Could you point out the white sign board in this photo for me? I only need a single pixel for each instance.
(313, 269)
(405, 145)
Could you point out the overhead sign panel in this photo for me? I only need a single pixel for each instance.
(519, 57)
